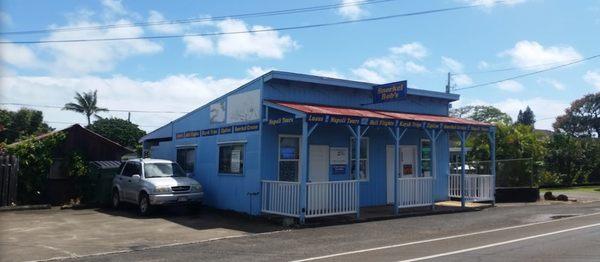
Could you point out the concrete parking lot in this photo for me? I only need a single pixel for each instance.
(55, 233)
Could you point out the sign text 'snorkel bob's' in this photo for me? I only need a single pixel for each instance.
(389, 92)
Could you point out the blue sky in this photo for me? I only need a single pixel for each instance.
(183, 73)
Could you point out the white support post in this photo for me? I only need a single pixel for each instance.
(462, 137)
(492, 138)
(304, 167)
(396, 160)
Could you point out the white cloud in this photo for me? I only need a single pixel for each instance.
(510, 86)
(483, 65)
(327, 73)
(198, 45)
(552, 82)
(172, 93)
(88, 57)
(260, 44)
(351, 10)
(19, 56)
(154, 17)
(492, 3)
(257, 71)
(115, 6)
(462, 80)
(392, 66)
(593, 78)
(453, 66)
(414, 49)
(368, 75)
(545, 110)
(530, 55)
(414, 68)
(5, 19)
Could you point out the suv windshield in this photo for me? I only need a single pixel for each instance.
(163, 170)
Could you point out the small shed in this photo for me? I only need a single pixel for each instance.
(92, 146)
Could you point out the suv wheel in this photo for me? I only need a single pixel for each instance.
(144, 207)
(116, 201)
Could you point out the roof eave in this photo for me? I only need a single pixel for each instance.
(280, 75)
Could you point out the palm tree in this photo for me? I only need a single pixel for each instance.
(85, 104)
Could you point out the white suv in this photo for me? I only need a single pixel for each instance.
(148, 182)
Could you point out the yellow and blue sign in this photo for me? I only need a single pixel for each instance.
(389, 92)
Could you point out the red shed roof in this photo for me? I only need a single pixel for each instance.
(345, 111)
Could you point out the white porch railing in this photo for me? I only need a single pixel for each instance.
(322, 198)
(281, 198)
(478, 187)
(331, 198)
(415, 191)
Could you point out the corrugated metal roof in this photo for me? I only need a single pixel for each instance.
(105, 164)
(344, 111)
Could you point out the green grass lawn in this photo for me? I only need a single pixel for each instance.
(587, 189)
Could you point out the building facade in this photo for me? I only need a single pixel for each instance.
(290, 144)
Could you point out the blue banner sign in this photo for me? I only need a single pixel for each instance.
(187, 134)
(389, 92)
(283, 120)
(365, 121)
(209, 132)
(338, 169)
(246, 128)
(225, 130)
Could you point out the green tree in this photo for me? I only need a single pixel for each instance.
(526, 117)
(35, 159)
(566, 157)
(512, 142)
(487, 114)
(582, 118)
(22, 123)
(118, 130)
(86, 104)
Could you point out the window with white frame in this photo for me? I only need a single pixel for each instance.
(186, 157)
(289, 158)
(364, 158)
(231, 159)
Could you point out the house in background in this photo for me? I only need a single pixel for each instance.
(59, 187)
(307, 146)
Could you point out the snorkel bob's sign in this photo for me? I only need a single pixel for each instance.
(389, 92)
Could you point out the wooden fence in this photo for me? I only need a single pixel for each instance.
(9, 166)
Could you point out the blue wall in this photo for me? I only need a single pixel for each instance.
(238, 193)
(339, 96)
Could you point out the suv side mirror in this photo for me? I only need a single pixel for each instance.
(136, 178)
(189, 174)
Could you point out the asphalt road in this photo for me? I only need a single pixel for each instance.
(516, 233)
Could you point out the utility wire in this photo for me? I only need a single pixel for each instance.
(252, 31)
(72, 123)
(529, 74)
(200, 19)
(111, 110)
(509, 68)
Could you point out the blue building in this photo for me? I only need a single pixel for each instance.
(291, 144)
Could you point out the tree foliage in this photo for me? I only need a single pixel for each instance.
(487, 114)
(20, 124)
(574, 160)
(526, 117)
(513, 141)
(86, 104)
(118, 130)
(35, 159)
(582, 118)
